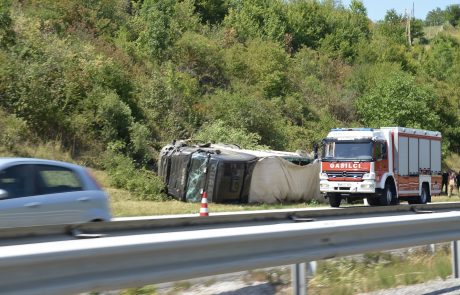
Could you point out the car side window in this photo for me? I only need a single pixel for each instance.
(54, 179)
(17, 181)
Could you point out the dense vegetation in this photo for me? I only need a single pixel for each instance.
(111, 81)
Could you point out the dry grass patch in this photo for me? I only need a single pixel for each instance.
(432, 31)
(124, 204)
(378, 271)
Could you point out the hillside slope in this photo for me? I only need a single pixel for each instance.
(107, 83)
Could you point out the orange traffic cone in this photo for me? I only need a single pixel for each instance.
(204, 205)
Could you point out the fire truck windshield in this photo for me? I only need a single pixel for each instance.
(347, 150)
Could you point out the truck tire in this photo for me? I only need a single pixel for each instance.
(387, 198)
(424, 195)
(334, 200)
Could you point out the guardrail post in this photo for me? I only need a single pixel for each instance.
(455, 259)
(311, 269)
(299, 278)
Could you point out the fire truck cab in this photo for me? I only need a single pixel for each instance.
(382, 165)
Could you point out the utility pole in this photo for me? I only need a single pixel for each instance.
(408, 34)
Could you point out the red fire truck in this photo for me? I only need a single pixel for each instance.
(382, 165)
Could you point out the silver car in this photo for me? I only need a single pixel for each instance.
(42, 192)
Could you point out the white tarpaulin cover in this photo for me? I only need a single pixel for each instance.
(276, 180)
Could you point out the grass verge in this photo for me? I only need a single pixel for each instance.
(376, 271)
(124, 204)
(343, 276)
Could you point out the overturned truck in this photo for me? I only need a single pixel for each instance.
(231, 175)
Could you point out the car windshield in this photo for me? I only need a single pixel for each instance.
(347, 150)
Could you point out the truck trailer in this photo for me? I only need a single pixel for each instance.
(382, 165)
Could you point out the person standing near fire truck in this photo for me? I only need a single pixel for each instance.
(445, 184)
(458, 183)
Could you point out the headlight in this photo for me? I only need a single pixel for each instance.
(367, 186)
(369, 175)
(323, 176)
(324, 186)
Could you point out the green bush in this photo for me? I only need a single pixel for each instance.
(124, 174)
(13, 131)
(254, 114)
(397, 100)
(264, 19)
(7, 34)
(218, 132)
(131, 75)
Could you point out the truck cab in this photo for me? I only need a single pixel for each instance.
(352, 162)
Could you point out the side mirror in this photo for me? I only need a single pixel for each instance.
(315, 151)
(3, 194)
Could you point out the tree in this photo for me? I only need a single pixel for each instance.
(7, 34)
(357, 7)
(263, 64)
(245, 110)
(164, 22)
(393, 27)
(435, 17)
(453, 14)
(212, 11)
(416, 29)
(265, 19)
(365, 76)
(201, 58)
(440, 61)
(157, 37)
(307, 23)
(96, 18)
(348, 30)
(398, 100)
(393, 17)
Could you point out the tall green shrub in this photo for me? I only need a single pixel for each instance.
(398, 100)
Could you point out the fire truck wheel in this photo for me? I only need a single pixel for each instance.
(423, 198)
(387, 198)
(334, 200)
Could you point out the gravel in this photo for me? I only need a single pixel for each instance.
(239, 286)
(232, 288)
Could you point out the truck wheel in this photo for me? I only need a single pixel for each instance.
(424, 195)
(373, 201)
(334, 200)
(387, 197)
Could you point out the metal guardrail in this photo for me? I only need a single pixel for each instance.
(68, 267)
(184, 220)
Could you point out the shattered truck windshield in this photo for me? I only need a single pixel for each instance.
(347, 150)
